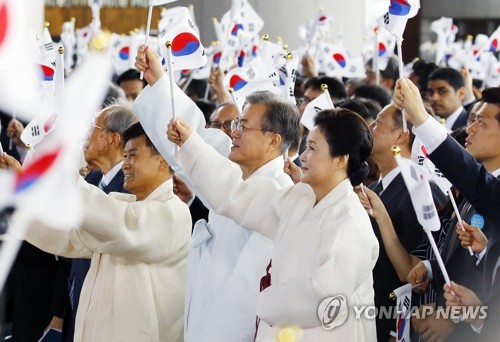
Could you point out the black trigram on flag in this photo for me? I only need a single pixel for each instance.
(406, 302)
(251, 73)
(420, 160)
(386, 18)
(35, 130)
(413, 173)
(49, 46)
(428, 211)
(317, 109)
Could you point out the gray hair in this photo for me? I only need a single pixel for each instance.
(118, 118)
(282, 117)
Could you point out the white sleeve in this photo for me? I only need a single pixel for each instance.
(431, 133)
(256, 203)
(153, 108)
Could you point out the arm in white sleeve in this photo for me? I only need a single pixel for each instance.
(431, 133)
(147, 231)
(153, 108)
(255, 204)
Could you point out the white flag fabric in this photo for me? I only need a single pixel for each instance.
(318, 104)
(403, 295)
(187, 50)
(420, 156)
(417, 182)
(47, 186)
(399, 12)
(68, 39)
(446, 32)
(119, 53)
(18, 87)
(246, 80)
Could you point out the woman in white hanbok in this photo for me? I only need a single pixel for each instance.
(325, 248)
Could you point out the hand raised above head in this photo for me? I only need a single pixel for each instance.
(148, 62)
(407, 97)
(178, 131)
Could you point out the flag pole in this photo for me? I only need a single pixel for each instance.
(170, 70)
(60, 79)
(324, 88)
(401, 75)
(148, 27)
(375, 58)
(233, 98)
(459, 218)
(438, 256)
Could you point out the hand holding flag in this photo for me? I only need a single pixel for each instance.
(417, 182)
(324, 101)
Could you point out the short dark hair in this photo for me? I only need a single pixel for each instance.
(206, 107)
(492, 96)
(347, 134)
(423, 69)
(130, 75)
(136, 131)
(196, 88)
(336, 88)
(391, 71)
(373, 92)
(281, 117)
(450, 75)
(356, 106)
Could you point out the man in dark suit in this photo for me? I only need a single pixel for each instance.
(483, 143)
(103, 152)
(446, 92)
(388, 131)
(478, 186)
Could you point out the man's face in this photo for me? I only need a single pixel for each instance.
(309, 95)
(222, 118)
(97, 146)
(251, 143)
(483, 135)
(443, 98)
(384, 133)
(132, 88)
(140, 167)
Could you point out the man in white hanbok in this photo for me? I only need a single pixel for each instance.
(226, 260)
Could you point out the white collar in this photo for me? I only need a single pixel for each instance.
(269, 168)
(450, 120)
(387, 180)
(496, 173)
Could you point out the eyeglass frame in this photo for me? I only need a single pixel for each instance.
(236, 125)
(227, 125)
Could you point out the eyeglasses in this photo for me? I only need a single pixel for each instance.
(95, 126)
(226, 124)
(236, 125)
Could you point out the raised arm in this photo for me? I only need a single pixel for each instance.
(153, 108)
(402, 261)
(256, 203)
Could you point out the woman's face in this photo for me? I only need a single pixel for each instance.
(317, 164)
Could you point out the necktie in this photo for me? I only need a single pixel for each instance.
(378, 188)
(102, 185)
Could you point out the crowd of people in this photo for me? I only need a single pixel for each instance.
(234, 224)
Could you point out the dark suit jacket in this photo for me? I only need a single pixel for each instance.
(80, 267)
(461, 120)
(398, 204)
(482, 190)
